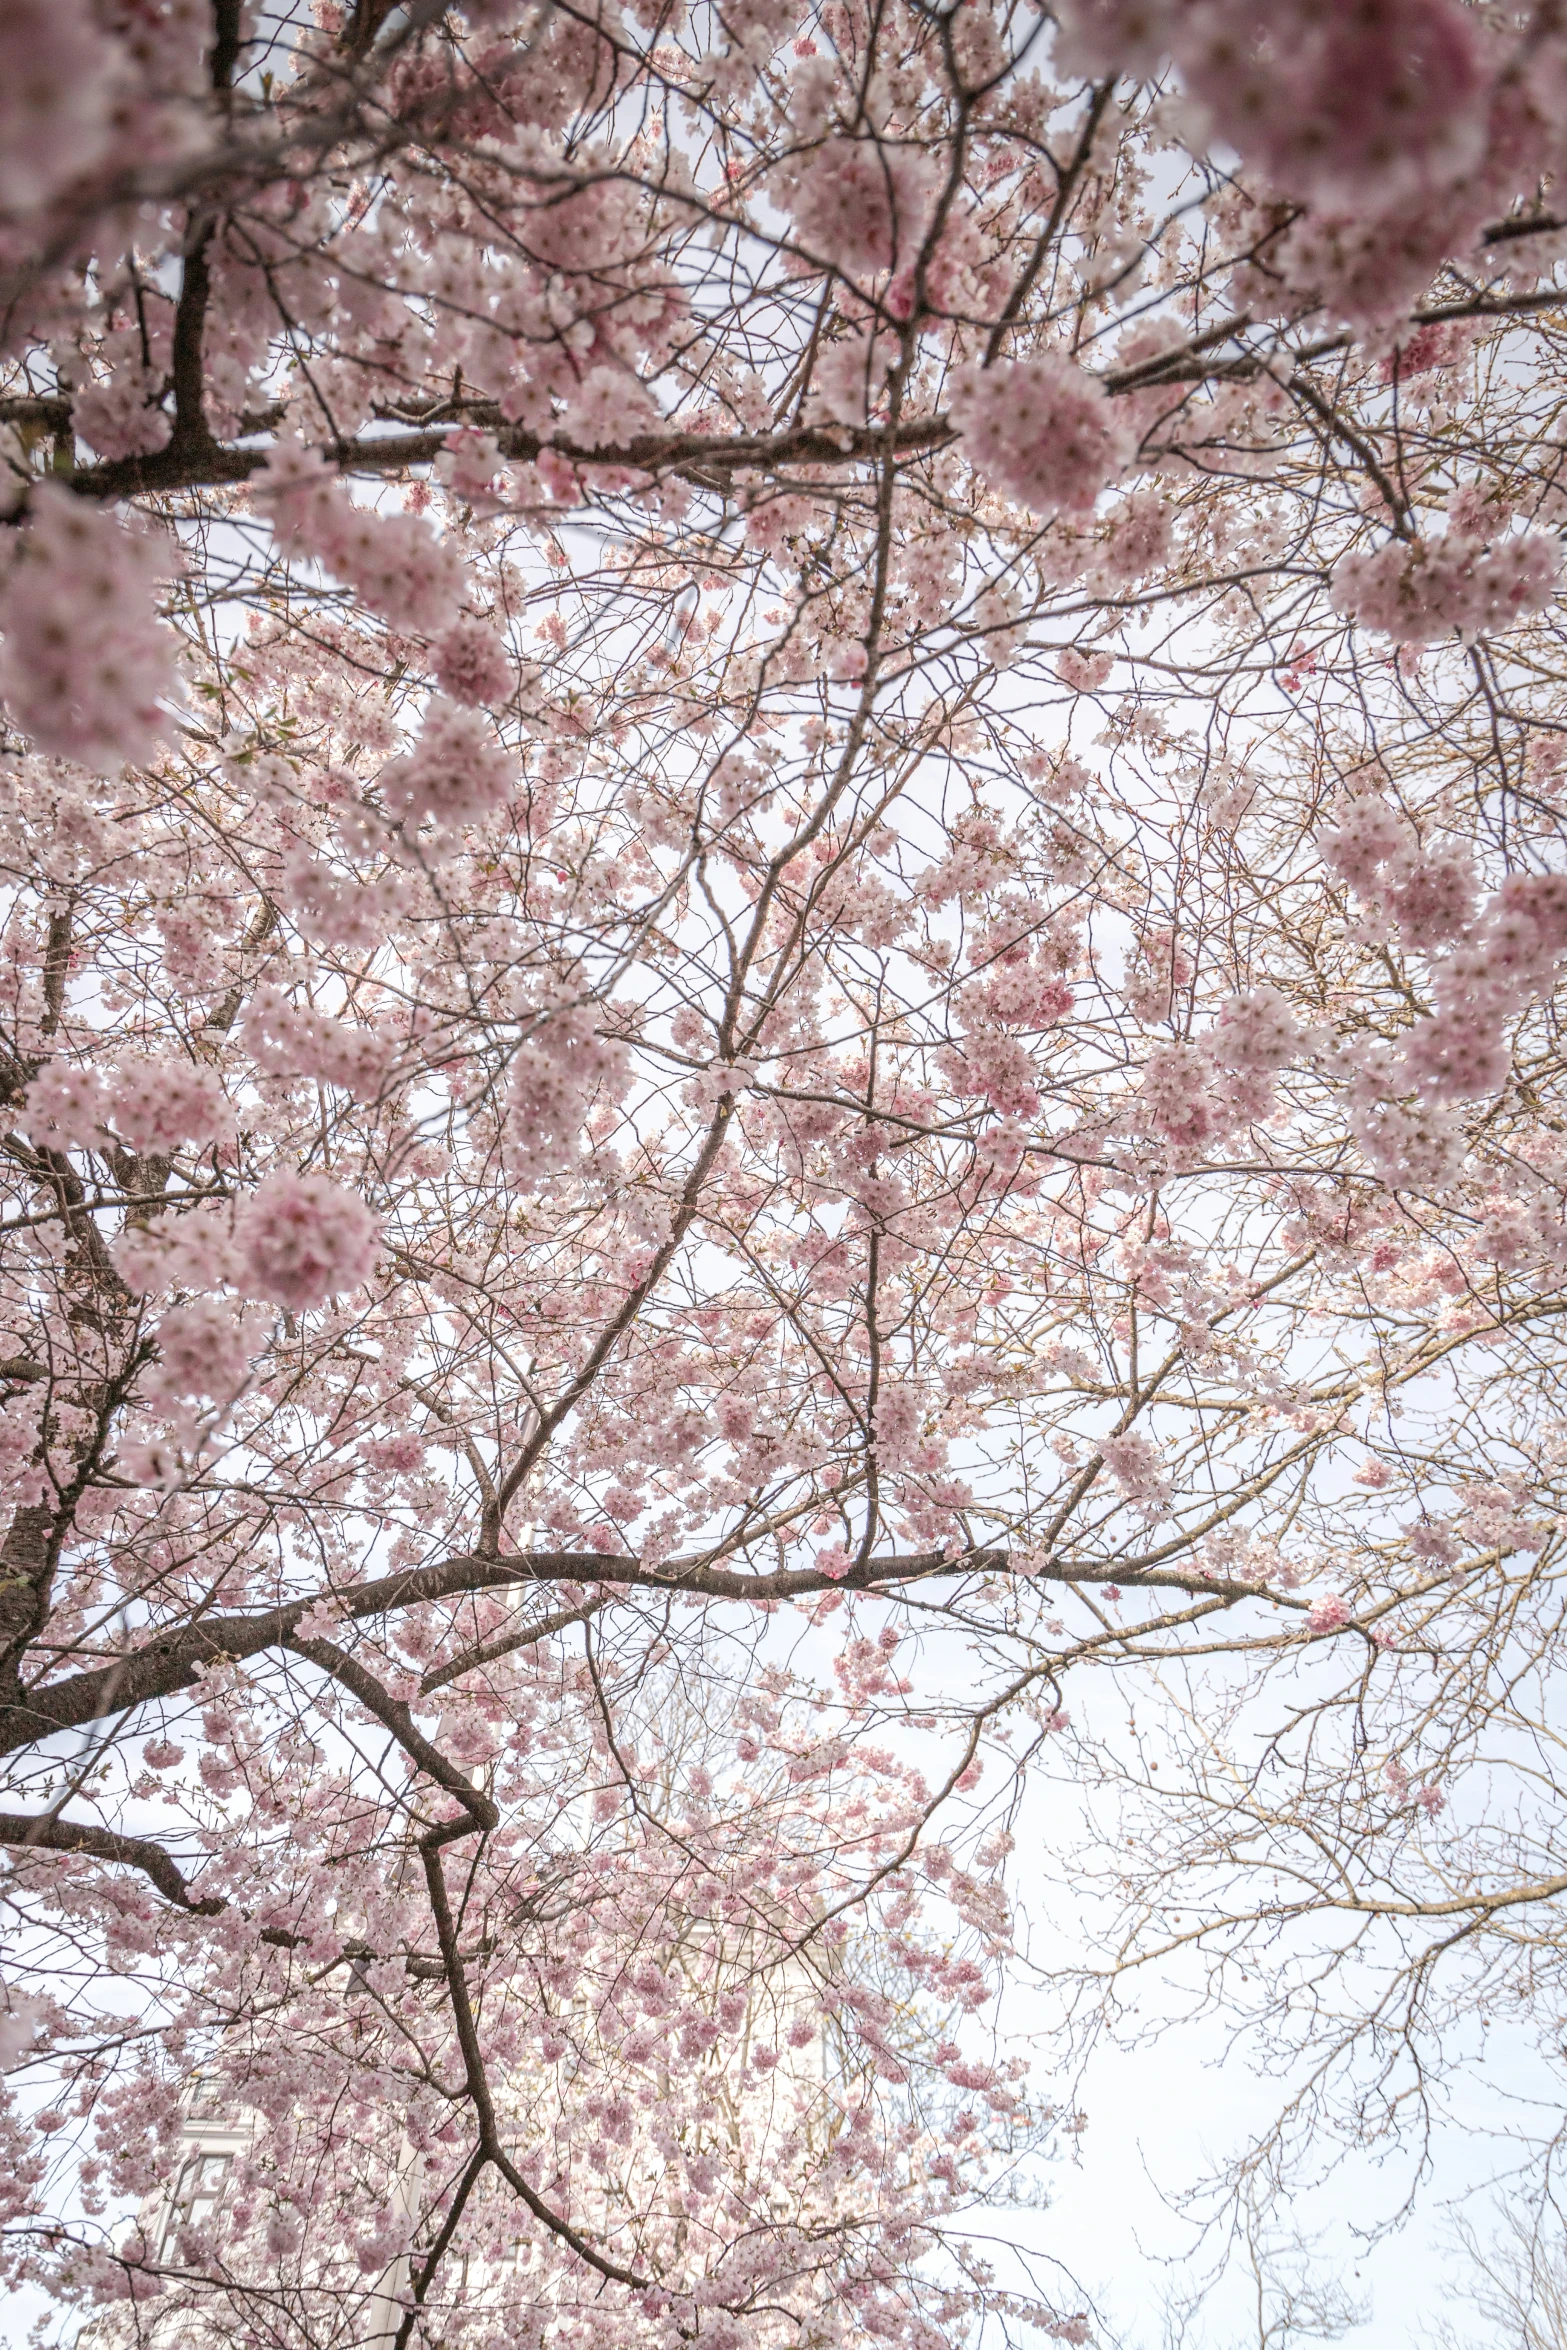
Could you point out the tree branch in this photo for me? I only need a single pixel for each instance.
(48, 1834)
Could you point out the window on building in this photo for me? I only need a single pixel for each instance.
(197, 2197)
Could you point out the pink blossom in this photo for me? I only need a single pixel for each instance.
(1342, 102)
(395, 562)
(1254, 1031)
(1411, 1147)
(1452, 1058)
(84, 662)
(850, 377)
(1419, 592)
(1541, 899)
(556, 1073)
(455, 772)
(608, 409)
(862, 203)
(1327, 1613)
(1331, 103)
(56, 93)
(998, 1069)
(205, 1349)
(1043, 430)
(124, 417)
(20, 2022)
(469, 463)
(190, 1251)
(1142, 531)
(294, 1042)
(1116, 36)
(157, 1103)
(1138, 1467)
(303, 1239)
(899, 1414)
(1368, 835)
(1429, 1539)
(1084, 668)
(69, 1105)
(473, 666)
(1180, 1099)
(1432, 898)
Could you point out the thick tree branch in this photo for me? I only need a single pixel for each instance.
(45, 1833)
(175, 1661)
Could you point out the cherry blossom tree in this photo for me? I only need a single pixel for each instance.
(784, 889)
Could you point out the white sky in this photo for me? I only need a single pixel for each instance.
(1162, 2115)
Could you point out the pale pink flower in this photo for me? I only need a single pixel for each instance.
(850, 376)
(303, 1239)
(191, 1251)
(1542, 899)
(1333, 103)
(1327, 1613)
(1452, 1058)
(124, 417)
(456, 771)
(66, 1105)
(20, 2023)
(205, 1350)
(159, 1103)
(293, 1042)
(608, 409)
(1084, 668)
(1043, 430)
(862, 203)
(1141, 534)
(1338, 103)
(84, 662)
(1414, 1148)
(396, 563)
(1422, 591)
(1433, 898)
(469, 463)
(899, 1413)
(1180, 1098)
(1254, 1031)
(1138, 1467)
(56, 96)
(473, 666)
(997, 1068)
(1368, 835)
(556, 1075)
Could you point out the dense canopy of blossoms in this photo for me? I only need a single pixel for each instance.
(785, 891)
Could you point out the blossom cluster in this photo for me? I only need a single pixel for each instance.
(1486, 964)
(1420, 591)
(84, 663)
(396, 563)
(1042, 429)
(455, 771)
(155, 1102)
